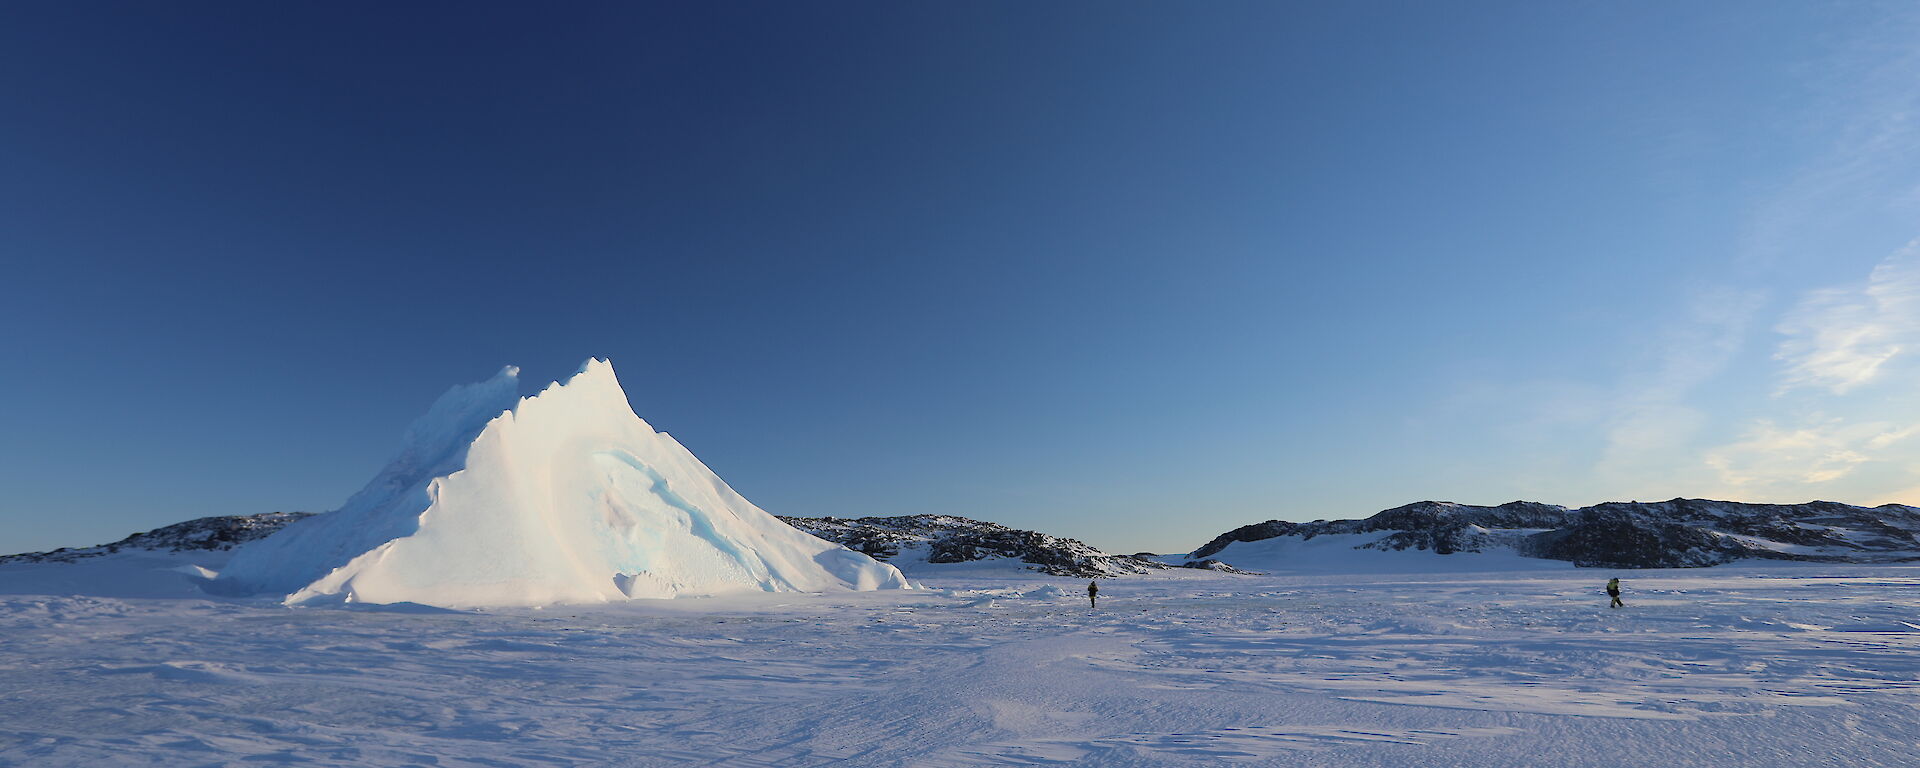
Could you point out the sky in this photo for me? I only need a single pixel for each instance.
(1134, 273)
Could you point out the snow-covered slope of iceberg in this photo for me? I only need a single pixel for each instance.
(563, 497)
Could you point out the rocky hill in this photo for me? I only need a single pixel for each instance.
(1664, 534)
(206, 533)
(950, 539)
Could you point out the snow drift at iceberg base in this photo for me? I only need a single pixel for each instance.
(563, 497)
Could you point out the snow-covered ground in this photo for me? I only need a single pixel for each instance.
(1467, 662)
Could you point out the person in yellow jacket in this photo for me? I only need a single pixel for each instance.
(1613, 591)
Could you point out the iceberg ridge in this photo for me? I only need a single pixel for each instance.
(566, 496)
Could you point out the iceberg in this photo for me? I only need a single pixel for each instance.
(566, 496)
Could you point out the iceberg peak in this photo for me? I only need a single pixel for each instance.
(565, 496)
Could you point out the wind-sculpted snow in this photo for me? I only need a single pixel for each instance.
(1775, 664)
(1666, 534)
(912, 540)
(563, 497)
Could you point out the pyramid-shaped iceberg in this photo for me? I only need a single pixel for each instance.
(563, 497)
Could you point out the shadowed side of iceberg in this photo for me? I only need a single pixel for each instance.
(435, 445)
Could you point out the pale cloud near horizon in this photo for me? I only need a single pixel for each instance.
(1824, 406)
(1834, 343)
(1771, 458)
(1841, 338)
(1844, 408)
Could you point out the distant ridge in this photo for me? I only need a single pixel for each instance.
(1680, 533)
(946, 539)
(205, 533)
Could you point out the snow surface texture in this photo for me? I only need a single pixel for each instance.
(914, 542)
(563, 497)
(1401, 659)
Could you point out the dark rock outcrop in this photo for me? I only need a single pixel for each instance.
(1442, 526)
(1614, 540)
(1213, 565)
(951, 539)
(1681, 533)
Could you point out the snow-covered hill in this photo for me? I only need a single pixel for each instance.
(563, 497)
(912, 541)
(1664, 534)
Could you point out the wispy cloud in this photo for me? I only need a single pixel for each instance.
(1842, 338)
(1654, 416)
(1836, 426)
(1866, 106)
(1836, 341)
(1829, 431)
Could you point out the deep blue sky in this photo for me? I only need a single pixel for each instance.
(1134, 273)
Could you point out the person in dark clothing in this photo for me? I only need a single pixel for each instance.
(1613, 591)
(1093, 594)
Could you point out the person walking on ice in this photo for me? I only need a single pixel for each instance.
(1093, 594)
(1613, 591)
